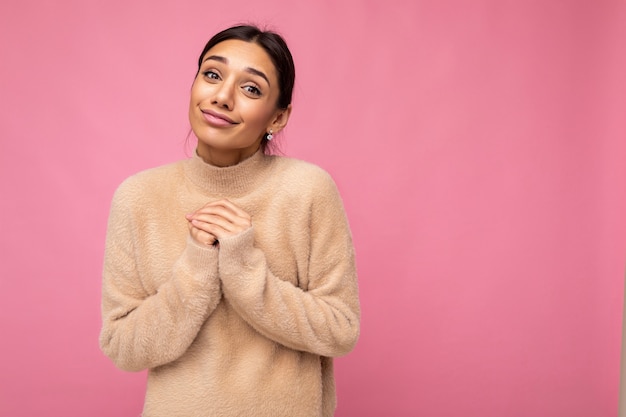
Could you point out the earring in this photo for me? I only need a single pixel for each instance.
(270, 135)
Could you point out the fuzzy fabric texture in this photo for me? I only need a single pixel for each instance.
(246, 329)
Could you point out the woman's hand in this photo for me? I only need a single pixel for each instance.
(217, 220)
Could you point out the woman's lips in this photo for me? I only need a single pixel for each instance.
(217, 119)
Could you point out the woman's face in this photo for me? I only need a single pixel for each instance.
(233, 102)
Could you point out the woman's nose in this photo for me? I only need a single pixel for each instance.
(224, 95)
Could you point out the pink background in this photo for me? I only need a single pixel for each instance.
(479, 146)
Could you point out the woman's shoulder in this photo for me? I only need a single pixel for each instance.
(303, 178)
(301, 171)
(151, 181)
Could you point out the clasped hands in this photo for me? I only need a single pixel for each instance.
(217, 220)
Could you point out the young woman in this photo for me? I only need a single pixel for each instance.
(230, 276)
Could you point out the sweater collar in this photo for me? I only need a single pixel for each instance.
(232, 181)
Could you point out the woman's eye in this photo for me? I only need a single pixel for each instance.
(252, 90)
(211, 74)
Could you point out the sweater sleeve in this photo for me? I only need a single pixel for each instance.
(324, 319)
(142, 329)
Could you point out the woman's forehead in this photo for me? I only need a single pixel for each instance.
(241, 54)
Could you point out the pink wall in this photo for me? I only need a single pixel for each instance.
(479, 147)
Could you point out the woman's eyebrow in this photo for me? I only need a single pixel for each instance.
(259, 73)
(251, 70)
(216, 58)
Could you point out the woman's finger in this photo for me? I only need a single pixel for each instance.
(230, 207)
(220, 218)
(201, 236)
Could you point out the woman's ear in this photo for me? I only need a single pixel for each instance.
(280, 119)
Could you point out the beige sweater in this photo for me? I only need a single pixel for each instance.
(246, 329)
